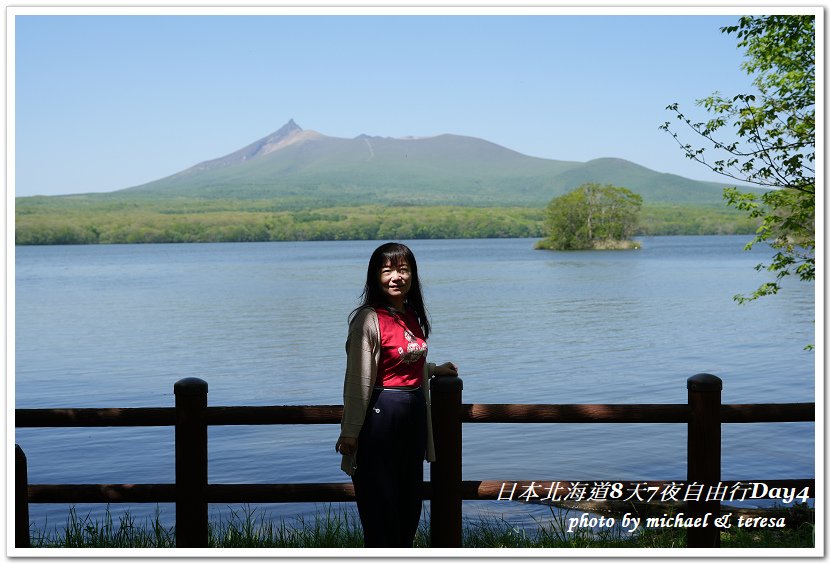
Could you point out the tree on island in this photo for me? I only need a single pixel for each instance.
(592, 217)
(773, 145)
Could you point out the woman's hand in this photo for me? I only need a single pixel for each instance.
(447, 369)
(346, 446)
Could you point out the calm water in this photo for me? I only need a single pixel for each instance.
(265, 324)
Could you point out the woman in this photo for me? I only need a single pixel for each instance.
(385, 431)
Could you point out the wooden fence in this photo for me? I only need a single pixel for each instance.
(192, 493)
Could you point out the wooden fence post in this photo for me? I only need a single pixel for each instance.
(445, 473)
(191, 462)
(704, 456)
(21, 499)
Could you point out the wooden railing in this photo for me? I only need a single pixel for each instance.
(192, 493)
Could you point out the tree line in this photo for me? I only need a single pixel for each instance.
(129, 224)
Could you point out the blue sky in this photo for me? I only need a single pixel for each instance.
(109, 102)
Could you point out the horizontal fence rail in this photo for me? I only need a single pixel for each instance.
(315, 492)
(478, 413)
(647, 413)
(192, 493)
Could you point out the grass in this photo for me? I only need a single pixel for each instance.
(331, 527)
(83, 531)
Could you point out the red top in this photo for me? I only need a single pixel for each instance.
(403, 349)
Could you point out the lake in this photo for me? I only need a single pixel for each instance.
(265, 324)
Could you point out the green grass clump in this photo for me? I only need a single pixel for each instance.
(84, 531)
(329, 528)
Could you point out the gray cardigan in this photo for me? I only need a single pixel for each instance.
(362, 359)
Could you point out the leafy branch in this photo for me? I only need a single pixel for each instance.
(772, 146)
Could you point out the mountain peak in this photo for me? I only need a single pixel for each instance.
(282, 137)
(288, 128)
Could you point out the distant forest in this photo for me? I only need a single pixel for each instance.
(77, 221)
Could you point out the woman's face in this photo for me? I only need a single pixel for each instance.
(395, 281)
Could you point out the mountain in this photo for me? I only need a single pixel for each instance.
(309, 167)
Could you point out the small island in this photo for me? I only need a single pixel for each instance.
(592, 217)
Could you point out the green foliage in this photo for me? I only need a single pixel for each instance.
(773, 146)
(591, 216)
(667, 219)
(222, 222)
(80, 220)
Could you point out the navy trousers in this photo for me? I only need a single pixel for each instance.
(388, 481)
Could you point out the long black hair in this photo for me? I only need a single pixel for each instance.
(395, 254)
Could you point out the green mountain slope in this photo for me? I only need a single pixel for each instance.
(311, 169)
(653, 186)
